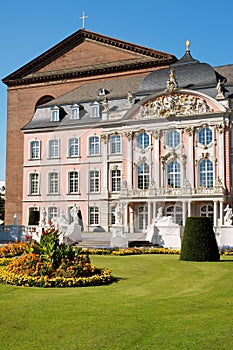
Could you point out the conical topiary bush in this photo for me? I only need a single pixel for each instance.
(199, 242)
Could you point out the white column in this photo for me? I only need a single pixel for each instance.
(157, 172)
(126, 223)
(149, 213)
(131, 226)
(190, 165)
(221, 212)
(129, 159)
(215, 214)
(220, 155)
(104, 171)
(183, 212)
(189, 209)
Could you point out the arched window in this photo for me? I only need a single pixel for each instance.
(173, 175)
(176, 212)
(172, 138)
(208, 211)
(142, 217)
(205, 136)
(43, 100)
(115, 144)
(94, 145)
(52, 213)
(143, 140)
(73, 179)
(34, 184)
(74, 147)
(143, 176)
(35, 149)
(53, 183)
(53, 148)
(94, 215)
(206, 173)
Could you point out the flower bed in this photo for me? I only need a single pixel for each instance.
(50, 264)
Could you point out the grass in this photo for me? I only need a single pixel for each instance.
(159, 302)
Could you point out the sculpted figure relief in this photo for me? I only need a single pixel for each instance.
(174, 104)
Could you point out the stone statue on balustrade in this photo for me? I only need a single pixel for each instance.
(228, 216)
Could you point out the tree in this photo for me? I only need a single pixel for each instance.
(199, 242)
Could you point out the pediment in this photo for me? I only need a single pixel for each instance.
(86, 52)
(180, 103)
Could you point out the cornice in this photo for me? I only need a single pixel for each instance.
(73, 41)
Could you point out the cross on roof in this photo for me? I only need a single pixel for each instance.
(83, 19)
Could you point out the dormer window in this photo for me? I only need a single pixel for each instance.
(95, 112)
(75, 111)
(54, 114)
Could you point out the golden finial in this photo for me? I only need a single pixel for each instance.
(187, 44)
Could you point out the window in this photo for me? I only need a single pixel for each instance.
(142, 217)
(53, 183)
(205, 136)
(94, 215)
(115, 144)
(34, 183)
(74, 147)
(94, 181)
(73, 182)
(143, 176)
(35, 150)
(95, 111)
(173, 175)
(173, 138)
(75, 111)
(54, 114)
(206, 173)
(116, 180)
(94, 145)
(53, 148)
(143, 140)
(112, 215)
(176, 212)
(207, 210)
(52, 213)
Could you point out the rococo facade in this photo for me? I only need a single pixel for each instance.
(139, 143)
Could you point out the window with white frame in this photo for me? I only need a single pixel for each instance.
(173, 175)
(75, 111)
(53, 183)
(115, 144)
(35, 149)
(206, 173)
(143, 140)
(34, 184)
(143, 217)
(173, 138)
(54, 114)
(94, 215)
(52, 213)
(94, 181)
(73, 179)
(53, 148)
(176, 212)
(116, 180)
(205, 136)
(143, 176)
(74, 147)
(208, 211)
(94, 145)
(112, 215)
(95, 110)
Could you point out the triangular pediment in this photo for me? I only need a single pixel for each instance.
(178, 103)
(84, 53)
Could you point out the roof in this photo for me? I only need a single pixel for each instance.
(140, 57)
(189, 73)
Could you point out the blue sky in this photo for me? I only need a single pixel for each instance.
(28, 28)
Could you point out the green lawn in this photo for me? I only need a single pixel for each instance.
(159, 302)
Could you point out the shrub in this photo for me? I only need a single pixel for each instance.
(199, 242)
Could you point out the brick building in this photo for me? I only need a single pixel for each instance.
(103, 124)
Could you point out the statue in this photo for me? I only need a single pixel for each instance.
(159, 214)
(228, 215)
(118, 214)
(219, 88)
(74, 213)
